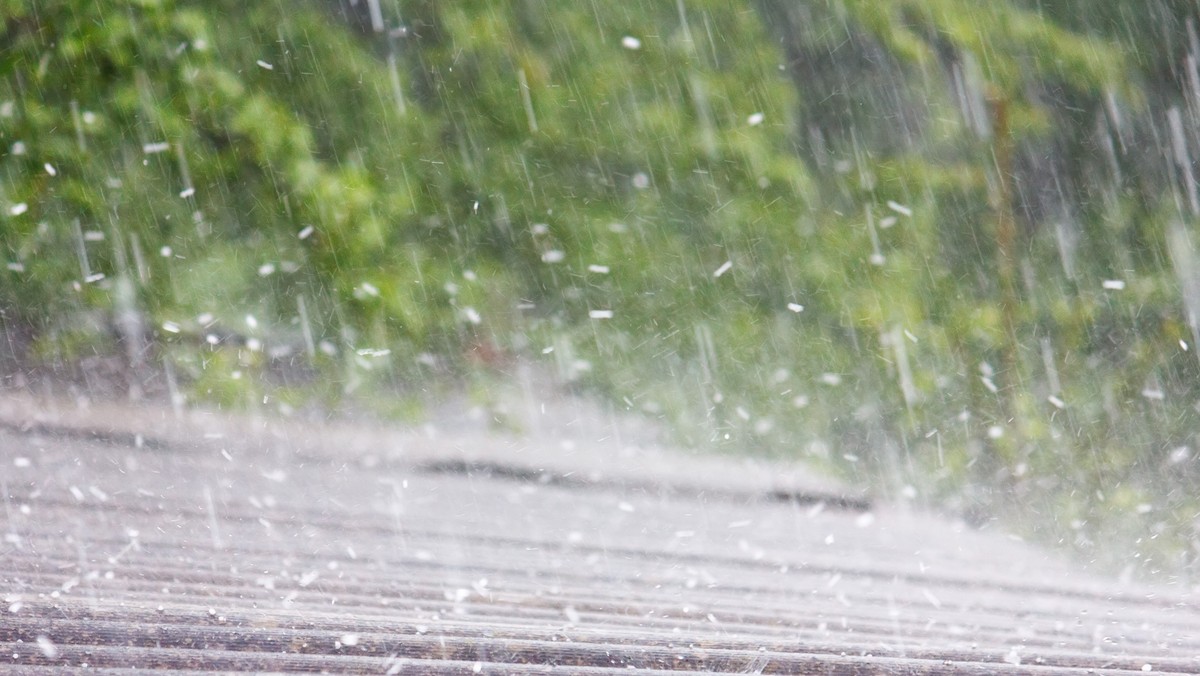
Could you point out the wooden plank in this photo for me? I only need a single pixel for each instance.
(133, 538)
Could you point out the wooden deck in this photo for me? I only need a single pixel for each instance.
(138, 539)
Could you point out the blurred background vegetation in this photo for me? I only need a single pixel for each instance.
(942, 247)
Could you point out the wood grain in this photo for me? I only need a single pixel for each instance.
(136, 539)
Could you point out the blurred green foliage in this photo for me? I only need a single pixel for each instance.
(937, 245)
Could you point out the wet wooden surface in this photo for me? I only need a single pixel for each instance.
(134, 538)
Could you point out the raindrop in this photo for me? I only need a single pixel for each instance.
(373, 352)
(1012, 656)
(49, 650)
(526, 102)
(394, 77)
